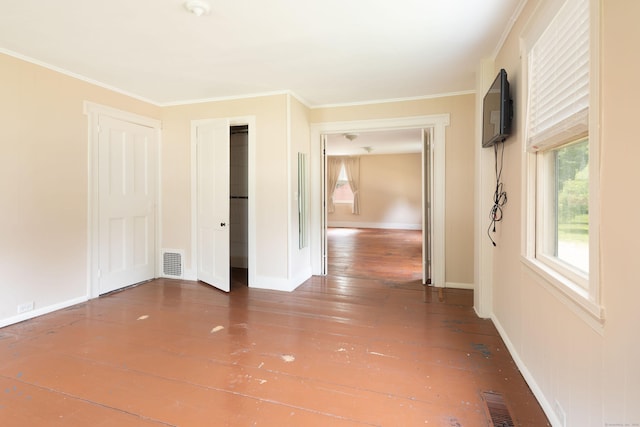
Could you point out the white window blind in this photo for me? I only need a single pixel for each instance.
(558, 109)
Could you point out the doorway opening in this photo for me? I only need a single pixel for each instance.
(379, 235)
(433, 128)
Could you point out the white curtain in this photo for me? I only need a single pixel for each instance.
(352, 168)
(334, 164)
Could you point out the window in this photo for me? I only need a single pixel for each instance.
(563, 235)
(343, 192)
(562, 152)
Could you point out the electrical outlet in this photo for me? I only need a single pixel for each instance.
(27, 306)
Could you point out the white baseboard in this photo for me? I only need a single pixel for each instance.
(273, 284)
(533, 385)
(458, 285)
(190, 274)
(41, 311)
(302, 277)
(263, 282)
(382, 225)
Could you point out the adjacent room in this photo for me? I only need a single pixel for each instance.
(319, 213)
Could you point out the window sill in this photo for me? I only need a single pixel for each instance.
(568, 292)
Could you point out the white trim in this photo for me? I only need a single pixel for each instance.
(438, 123)
(302, 100)
(484, 188)
(93, 112)
(594, 157)
(297, 280)
(308, 104)
(377, 225)
(586, 303)
(390, 100)
(41, 311)
(290, 230)
(234, 98)
(74, 75)
(191, 273)
(458, 285)
(575, 298)
(89, 108)
(528, 376)
(280, 284)
(507, 28)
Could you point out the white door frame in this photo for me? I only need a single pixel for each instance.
(436, 122)
(93, 112)
(192, 273)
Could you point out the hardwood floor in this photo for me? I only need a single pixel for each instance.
(391, 255)
(367, 345)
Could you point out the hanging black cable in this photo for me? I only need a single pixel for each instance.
(499, 195)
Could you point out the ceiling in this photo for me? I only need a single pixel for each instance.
(326, 52)
(375, 142)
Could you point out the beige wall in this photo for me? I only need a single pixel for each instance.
(459, 167)
(390, 194)
(591, 372)
(43, 183)
(300, 258)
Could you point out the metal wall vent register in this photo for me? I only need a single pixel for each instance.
(172, 263)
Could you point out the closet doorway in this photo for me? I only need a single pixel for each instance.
(239, 203)
(222, 206)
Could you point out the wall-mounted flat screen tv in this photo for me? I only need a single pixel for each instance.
(497, 111)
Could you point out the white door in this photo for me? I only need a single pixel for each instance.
(426, 206)
(127, 177)
(213, 203)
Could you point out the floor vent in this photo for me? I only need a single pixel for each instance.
(172, 263)
(498, 411)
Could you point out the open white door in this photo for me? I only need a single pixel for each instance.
(323, 217)
(426, 206)
(213, 203)
(127, 174)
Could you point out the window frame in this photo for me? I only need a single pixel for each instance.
(571, 285)
(545, 222)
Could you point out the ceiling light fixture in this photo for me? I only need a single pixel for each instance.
(351, 136)
(197, 7)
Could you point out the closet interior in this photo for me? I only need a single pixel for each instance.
(239, 192)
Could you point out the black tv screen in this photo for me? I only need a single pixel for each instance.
(496, 111)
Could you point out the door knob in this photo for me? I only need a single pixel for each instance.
(223, 224)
